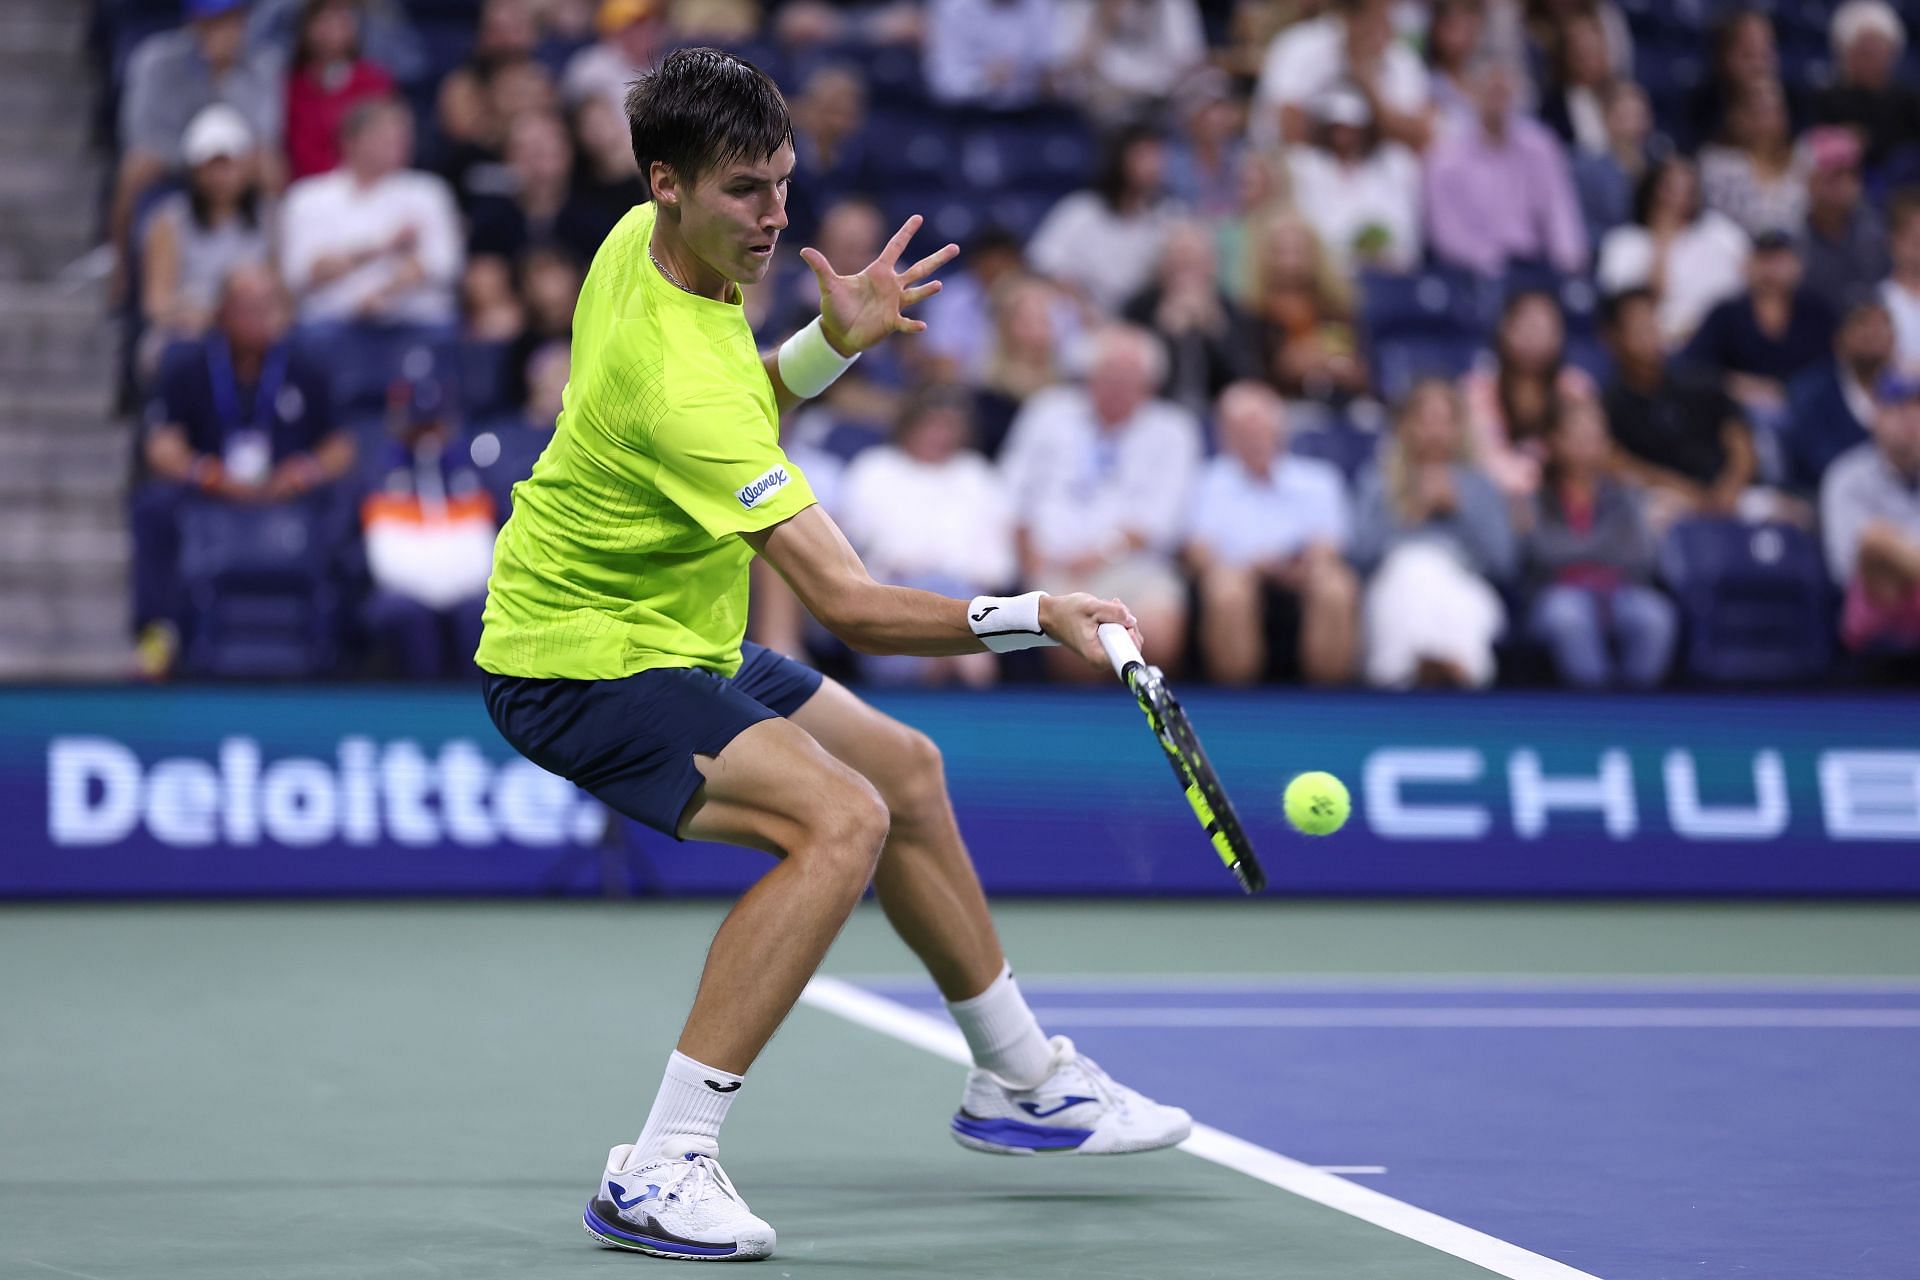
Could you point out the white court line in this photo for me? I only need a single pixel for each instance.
(1351, 1169)
(890, 1018)
(1865, 984)
(1442, 1018)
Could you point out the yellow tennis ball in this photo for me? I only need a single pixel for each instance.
(1318, 804)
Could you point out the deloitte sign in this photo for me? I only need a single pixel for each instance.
(99, 792)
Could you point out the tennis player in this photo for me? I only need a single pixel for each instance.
(615, 656)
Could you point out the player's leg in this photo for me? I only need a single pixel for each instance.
(775, 788)
(1026, 1093)
(1329, 617)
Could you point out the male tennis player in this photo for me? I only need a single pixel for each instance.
(614, 645)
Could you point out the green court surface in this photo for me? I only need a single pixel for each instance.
(391, 1090)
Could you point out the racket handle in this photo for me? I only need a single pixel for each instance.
(1122, 652)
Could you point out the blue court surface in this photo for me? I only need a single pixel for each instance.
(1631, 1129)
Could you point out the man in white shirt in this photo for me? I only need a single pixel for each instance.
(1265, 538)
(1100, 477)
(373, 241)
(1870, 507)
(1354, 45)
(990, 53)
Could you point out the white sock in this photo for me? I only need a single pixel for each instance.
(687, 1112)
(1003, 1034)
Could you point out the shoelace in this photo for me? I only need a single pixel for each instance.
(705, 1169)
(1109, 1089)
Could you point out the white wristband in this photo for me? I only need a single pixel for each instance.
(1007, 623)
(809, 364)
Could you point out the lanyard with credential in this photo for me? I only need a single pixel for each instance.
(226, 389)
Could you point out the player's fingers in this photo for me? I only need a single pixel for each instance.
(929, 264)
(919, 293)
(898, 245)
(818, 261)
(912, 326)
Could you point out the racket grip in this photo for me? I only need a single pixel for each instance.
(1122, 652)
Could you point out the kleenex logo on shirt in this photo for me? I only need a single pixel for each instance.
(760, 488)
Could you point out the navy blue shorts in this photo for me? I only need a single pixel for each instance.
(631, 742)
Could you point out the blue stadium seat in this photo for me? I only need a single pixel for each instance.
(259, 589)
(911, 153)
(1755, 599)
(1346, 447)
(1432, 323)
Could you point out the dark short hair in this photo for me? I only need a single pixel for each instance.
(1614, 306)
(704, 108)
(1904, 204)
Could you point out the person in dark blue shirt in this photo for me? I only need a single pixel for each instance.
(1830, 406)
(238, 416)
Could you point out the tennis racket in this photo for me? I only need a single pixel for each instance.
(1190, 766)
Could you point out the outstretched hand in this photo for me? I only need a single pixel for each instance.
(858, 311)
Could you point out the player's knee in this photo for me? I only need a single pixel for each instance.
(917, 781)
(847, 828)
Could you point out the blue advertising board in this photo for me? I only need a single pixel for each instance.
(384, 790)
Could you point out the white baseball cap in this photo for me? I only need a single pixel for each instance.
(217, 130)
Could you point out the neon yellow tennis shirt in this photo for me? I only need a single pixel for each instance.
(622, 552)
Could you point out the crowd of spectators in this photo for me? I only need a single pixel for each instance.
(1346, 340)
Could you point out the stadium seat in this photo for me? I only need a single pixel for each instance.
(1432, 323)
(1755, 600)
(1346, 447)
(259, 588)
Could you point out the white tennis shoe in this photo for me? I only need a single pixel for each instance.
(675, 1208)
(1078, 1109)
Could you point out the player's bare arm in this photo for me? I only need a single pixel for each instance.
(821, 566)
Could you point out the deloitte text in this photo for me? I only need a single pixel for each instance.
(99, 793)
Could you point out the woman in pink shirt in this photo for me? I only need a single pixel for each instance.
(327, 77)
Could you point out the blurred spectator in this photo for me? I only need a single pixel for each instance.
(1100, 477)
(170, 77)
(1545, 18)
(1500, 192)
(475, 127)
(326, 76)
(928, 511)
(507, 33)
(1511, 400)
(1102, 243)
(1589, 553)
(387, 35)
(1263, 195)
(1252, 28)
(1871, 501)
(1688, 256)
(1902, 288)
(373, 240)
(428, 527)
(1303, 312)
(1433, 536)
(506, 448)
(1264, 540)
(1575, 103)
(633, 36)
(194, 238)
(1757, 342)
(1680, 435)
(1830, 406)
(1453, 42)
(549, 285)
(1868, 41)
(1207, 342)
(958, 342)
(1605, 180)
(1745, 56)
(1205, 159)
(1844, 243)
(606, 176)
(989, 53)
(1360, 192)
(1354, 44)
(1755, 175)
(1024, 354)
(542, 209)
(829, 145)
(490, 306)
(1118, 59)
(236, 416)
